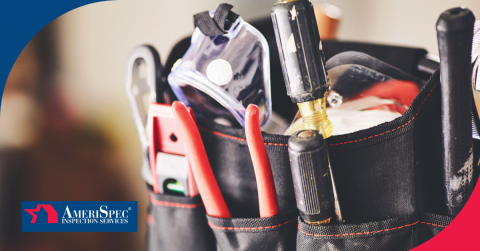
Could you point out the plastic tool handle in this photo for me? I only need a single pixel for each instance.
(311, 175)
(267, 195)
(454, 33)
(300, 50)
(207, 184)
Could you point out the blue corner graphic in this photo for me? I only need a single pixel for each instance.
(20, 21)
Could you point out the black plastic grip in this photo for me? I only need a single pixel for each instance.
(300, 50)
(311, 175)
(455, 33)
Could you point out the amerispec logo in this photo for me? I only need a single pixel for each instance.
(52, 214)
(79, 216)
(100, 216)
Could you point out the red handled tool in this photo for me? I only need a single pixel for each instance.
(267, 196)
(167, 152)
(207, 184)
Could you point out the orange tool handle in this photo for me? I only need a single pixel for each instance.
(267, 196)
(206, 182)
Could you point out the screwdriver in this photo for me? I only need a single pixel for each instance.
(302, 61)
(454, 34)
(312, 178)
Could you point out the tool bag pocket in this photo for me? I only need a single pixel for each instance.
(399, 233)
(384, 175)
(273, 233)
(431, 224)
(177, 223)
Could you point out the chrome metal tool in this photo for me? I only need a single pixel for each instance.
(143, 74)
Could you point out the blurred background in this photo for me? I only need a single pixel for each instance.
(66, 129)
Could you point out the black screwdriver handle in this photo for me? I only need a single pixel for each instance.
(300, 50)
(311, 175)
(454, 34)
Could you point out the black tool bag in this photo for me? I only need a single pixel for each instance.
(388, 178)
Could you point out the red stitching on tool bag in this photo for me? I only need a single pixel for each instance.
(334, 144)
(372, 232)
(348, 142)
(220, 134)
(436, 225)
(249, 228)
(235, 138)
(173, 204)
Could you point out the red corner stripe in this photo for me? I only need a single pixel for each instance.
(172, 204)
(372, 232)
(335, 144)
(249, 228)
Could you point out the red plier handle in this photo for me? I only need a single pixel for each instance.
(207, 184)
(267, 196)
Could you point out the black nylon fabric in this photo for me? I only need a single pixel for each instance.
(374, 184)
(177, 223)
(233, 169)
(431, 225)
(400, 233)
(384, 176)
(273, 233)
(377, 170)
(428, 160)
(388, 180)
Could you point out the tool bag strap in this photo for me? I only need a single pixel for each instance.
(217, 25)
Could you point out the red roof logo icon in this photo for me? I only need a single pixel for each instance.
(52, 214)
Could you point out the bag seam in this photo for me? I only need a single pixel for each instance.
(173, 204)
(371, 232)
(250, 228)
(435, 225)
(408, 122)
(359, 233)
(233, 137)
(333, 144)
